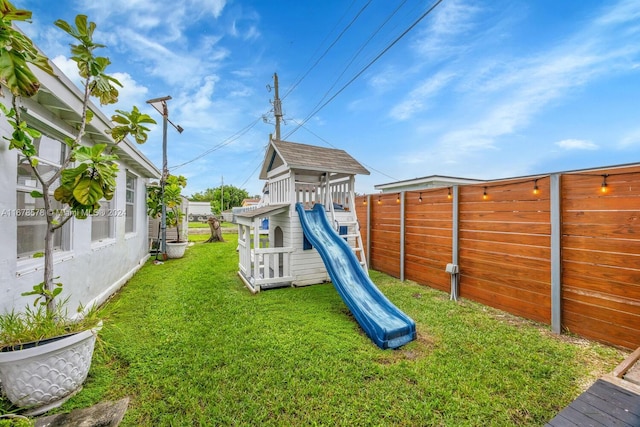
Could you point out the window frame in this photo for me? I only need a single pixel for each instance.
(130, 203)
(105, 215)
(28, 213)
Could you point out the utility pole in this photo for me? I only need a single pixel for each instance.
(164, 110)
(277, 106)
(222, 195)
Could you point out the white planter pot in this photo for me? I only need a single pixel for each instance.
(176, 250)
(44, 377)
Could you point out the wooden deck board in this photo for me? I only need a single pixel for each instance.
(603, 404)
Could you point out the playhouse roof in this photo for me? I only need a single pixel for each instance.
(309, 157)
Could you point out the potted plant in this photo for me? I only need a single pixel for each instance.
(169, 195)
(86, 176)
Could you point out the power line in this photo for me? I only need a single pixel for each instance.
(327, 49)
(373, 61)
(250, 175)
(353, 58)
(224, 143)
(331, 145)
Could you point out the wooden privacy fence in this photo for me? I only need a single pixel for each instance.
(562, 249)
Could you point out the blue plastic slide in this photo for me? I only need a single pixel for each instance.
(382, 321)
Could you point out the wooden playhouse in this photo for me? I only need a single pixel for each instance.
(279, 255)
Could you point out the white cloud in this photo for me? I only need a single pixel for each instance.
(630, 139)
(419, 98)
(131, 93)
(69, 68)
(214, 7)
(576, 144)
(447, 21)
(508, 99)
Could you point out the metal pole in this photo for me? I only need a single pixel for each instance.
(402, 234)
(277, 106)
(556, 259)
(455, 244)
(165, 172)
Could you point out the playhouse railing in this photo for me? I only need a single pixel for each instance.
(262, 266)
(340, 193)
(271, 265)
(244, 251)
(310, 193)
(280, 189)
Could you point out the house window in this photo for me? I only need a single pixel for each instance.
(102, 222)
(32, 223)
(130, 203)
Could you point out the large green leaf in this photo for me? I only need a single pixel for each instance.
(9, 13)
(69, 175)
(15, 73)
(63, 194)
(131, 123)
(88, 191)
(16, 51)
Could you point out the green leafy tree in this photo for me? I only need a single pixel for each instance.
(229, 195)
(203, 196)
(92, 176)
(172, 198)
(222, 198)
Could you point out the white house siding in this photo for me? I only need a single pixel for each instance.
(90, 271)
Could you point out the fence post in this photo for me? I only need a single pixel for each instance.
(369, 230)
(455, 225)
(402, 229)
(556, 260)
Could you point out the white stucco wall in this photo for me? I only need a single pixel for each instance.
(90, 271)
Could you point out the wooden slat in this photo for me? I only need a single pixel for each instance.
(598, 329)
(619, 314)
(504, 247)
(603, 404)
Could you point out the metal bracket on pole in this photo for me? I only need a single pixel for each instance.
(453, 270)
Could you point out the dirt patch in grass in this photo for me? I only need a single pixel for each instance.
(413, 351)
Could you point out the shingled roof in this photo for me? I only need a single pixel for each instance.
(310, 157)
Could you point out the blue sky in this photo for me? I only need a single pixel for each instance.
(477, 89)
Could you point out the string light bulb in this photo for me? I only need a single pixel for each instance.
(398, 198)
(536, 190)
(379, 201)
(603, 186)
(420, 198)
(484, 194)
(449, 194)
(364, 201)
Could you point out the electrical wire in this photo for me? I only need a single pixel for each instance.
(317, 109)
(359, 51)
(373, 61)
(224, 143)
(331, 145)
(354, 19)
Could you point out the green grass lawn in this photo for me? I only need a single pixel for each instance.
(197, 224)
(226, 226)
(190, 345)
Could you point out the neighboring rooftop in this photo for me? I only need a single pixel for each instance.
(431, 181)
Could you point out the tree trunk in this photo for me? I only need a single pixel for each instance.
(216, 230)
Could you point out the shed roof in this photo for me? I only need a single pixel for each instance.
(310, 158)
